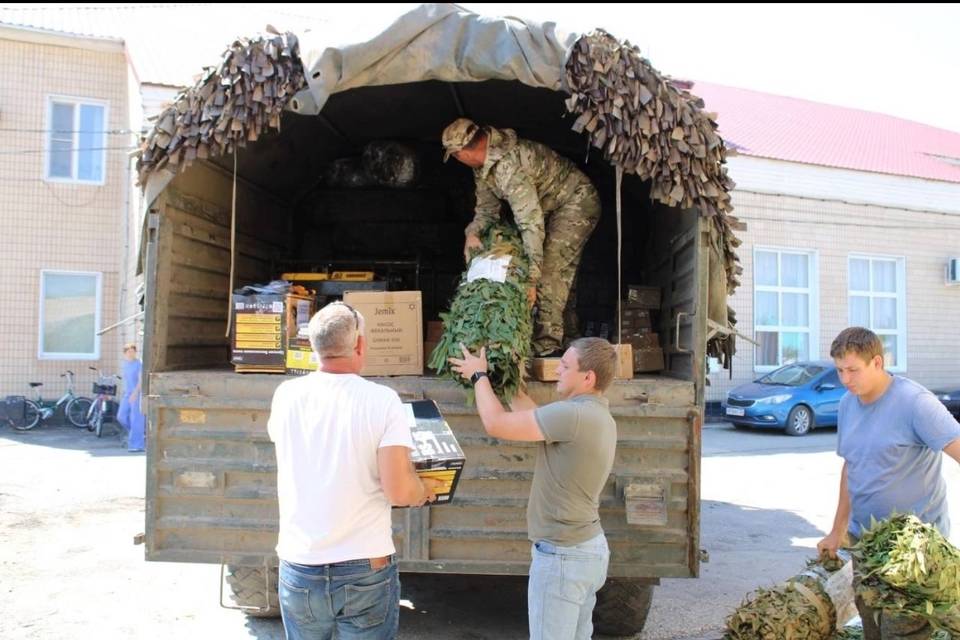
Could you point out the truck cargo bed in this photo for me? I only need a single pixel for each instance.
(211, 495)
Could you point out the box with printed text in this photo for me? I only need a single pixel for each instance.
(438, 454)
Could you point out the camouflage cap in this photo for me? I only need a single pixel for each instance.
(457, 135)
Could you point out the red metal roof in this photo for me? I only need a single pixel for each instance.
(768, 126)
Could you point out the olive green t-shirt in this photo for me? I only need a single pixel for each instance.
(573, 464)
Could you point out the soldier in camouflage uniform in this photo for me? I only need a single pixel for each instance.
(555, 207)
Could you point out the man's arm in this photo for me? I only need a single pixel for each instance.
(401, 484)
(498, 422)
(522, 402)
(841, 521)
(487, 209)
(953, 449)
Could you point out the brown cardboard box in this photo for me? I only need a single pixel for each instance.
(641, 340)
(641, 297)
(625, 361)
(261, 326)
(545, 369)
(438, 454)
(635, 318)
(434, 330)
(647, 360)
(394, 331)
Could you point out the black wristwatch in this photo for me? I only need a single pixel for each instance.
(475, 378)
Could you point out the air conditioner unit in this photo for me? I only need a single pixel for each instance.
(953, 271)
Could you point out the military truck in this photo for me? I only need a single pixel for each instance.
(219, 217)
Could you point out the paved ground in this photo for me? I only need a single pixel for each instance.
(70, 506)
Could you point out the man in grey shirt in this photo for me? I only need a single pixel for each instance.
(890, 434)
(576, 438)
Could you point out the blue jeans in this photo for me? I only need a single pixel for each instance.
(347, 597)
(563, 588)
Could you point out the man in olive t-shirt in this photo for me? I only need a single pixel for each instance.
(576, 438)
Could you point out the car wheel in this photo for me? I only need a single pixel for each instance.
(800, 421)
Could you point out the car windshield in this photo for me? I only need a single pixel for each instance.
(792, 375)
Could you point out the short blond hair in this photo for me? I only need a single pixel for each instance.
(129, 345)
(599, 356)
(335, 330)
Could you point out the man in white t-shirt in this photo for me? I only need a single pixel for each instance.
(343, 458)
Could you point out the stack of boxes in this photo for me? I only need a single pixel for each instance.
(636, 327)
(263, 326)
(270, 332)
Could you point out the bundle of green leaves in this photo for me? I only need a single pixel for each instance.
(856, 633)
(798, 609)
(491, 314)
(908, 567)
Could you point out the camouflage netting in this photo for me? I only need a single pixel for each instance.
(651, 126)
(495, 315)
(798, 609)
(908, 567)
(231, 104)
(644, 122)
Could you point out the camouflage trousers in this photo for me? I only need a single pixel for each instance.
(567, 230)
(879, 624)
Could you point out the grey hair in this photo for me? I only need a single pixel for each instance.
(333, 330)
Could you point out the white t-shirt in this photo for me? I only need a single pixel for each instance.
(327, 428)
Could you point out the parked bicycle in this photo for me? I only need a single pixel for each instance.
(74, 407)
(103, 409)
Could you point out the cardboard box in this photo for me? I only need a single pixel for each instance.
(545, 369)
(647, 360)
(641, 340)
(394, 331)
(641, 297)
(635, 318)
(301, 358)
(624, 361)
(434, 331)
(261, 325)
(438, 454)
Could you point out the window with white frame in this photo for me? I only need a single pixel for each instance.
(877, 301)
(69, 315)
(785, 307)
(76, 143)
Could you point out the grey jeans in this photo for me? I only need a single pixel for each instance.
(563, 588)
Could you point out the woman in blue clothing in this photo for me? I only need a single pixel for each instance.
(129, 415)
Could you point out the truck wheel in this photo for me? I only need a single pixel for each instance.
(246, 590)
(622, 607)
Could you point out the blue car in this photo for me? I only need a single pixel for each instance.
(796, 398)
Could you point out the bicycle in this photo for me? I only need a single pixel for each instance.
(75, 407)
(103, 409)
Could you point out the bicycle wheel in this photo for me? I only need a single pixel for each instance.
(31, 415)
(77, 410)
(91, 413)
(98, 418)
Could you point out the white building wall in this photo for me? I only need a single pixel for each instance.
(836, 213)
